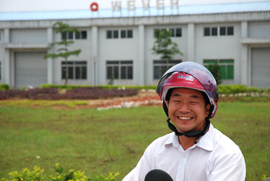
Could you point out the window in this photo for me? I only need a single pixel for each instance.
(226, 67)
(112, 34)
(119, 69)
(76, 69)
(230, 30)
(175, 32)
(172, 32)
(123, 34)
(156, 32)
(206, 31)
(210, 31)
(160, 67)
(71, 35)
(82, 35)
(129, 33)
(109, 34)
(115, 33)
(178, 32)
(64, 35)
(222, 31)
(213, 31)
(226, 31)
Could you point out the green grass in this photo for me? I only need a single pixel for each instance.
(99, 142)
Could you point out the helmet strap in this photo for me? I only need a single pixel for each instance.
(196, 134)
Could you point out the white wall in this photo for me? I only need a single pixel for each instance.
(219, 47)
(28, 35)
(85, 55)
(259, 29)
(149, 42)
(1, 56)
(117, 49)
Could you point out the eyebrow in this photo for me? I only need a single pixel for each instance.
(194, 96)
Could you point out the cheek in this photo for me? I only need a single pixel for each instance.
(207, 108)
(171, 110)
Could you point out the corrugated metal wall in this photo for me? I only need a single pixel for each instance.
(30, 69)
(260, 72)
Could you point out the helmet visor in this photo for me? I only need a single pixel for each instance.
(202, 74)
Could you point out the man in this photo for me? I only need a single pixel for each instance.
(195, 151)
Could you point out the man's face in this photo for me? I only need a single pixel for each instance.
(187, 109)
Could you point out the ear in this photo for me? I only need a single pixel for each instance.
(167, 103)
(207, 110)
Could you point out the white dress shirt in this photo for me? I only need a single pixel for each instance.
(214, 158)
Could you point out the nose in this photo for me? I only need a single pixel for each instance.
(184, 108)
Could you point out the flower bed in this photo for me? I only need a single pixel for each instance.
(78, 93)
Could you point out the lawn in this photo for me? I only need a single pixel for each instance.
(99, 142)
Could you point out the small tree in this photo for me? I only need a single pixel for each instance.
(63, 51)
(164, 46)
(215, 70)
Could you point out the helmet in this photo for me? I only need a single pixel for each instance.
(193, 76)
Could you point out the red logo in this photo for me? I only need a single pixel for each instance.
(94, 6)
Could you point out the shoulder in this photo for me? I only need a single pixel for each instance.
(224, 143)
(160, 142)
(226, 151)
(226, 161)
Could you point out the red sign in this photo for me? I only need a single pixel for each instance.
(94, 6)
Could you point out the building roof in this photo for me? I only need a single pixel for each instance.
(139, 12)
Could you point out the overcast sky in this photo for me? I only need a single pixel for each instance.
(50, 5)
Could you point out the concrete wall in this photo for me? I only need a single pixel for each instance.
(85, 55)
(260, 29)
(118, 49)
(149, 42)
(28, 35)
(219, 47)
(1, 55)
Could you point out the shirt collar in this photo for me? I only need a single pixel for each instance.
(173, 140)
(205, 142)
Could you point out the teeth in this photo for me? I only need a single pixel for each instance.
(184, 117)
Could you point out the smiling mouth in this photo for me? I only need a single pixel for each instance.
(184, 118)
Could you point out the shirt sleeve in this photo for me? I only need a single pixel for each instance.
(142, 168)
(229, 167)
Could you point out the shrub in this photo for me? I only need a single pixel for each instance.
(71, 175)
(69, 87)
(215, 70)
(71, 94)
(4, 87)
(26, 175)
(232, 89)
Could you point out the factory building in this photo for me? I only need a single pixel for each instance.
(118, 43)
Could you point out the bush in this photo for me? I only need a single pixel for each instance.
(71, 94)
(232, 89)
(71, 175)
(4, 87)
(215, 70)
(26, 175)
(69, 87)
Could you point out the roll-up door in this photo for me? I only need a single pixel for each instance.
(30, 69)
(260, 67)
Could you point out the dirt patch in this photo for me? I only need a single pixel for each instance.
(143, 98)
